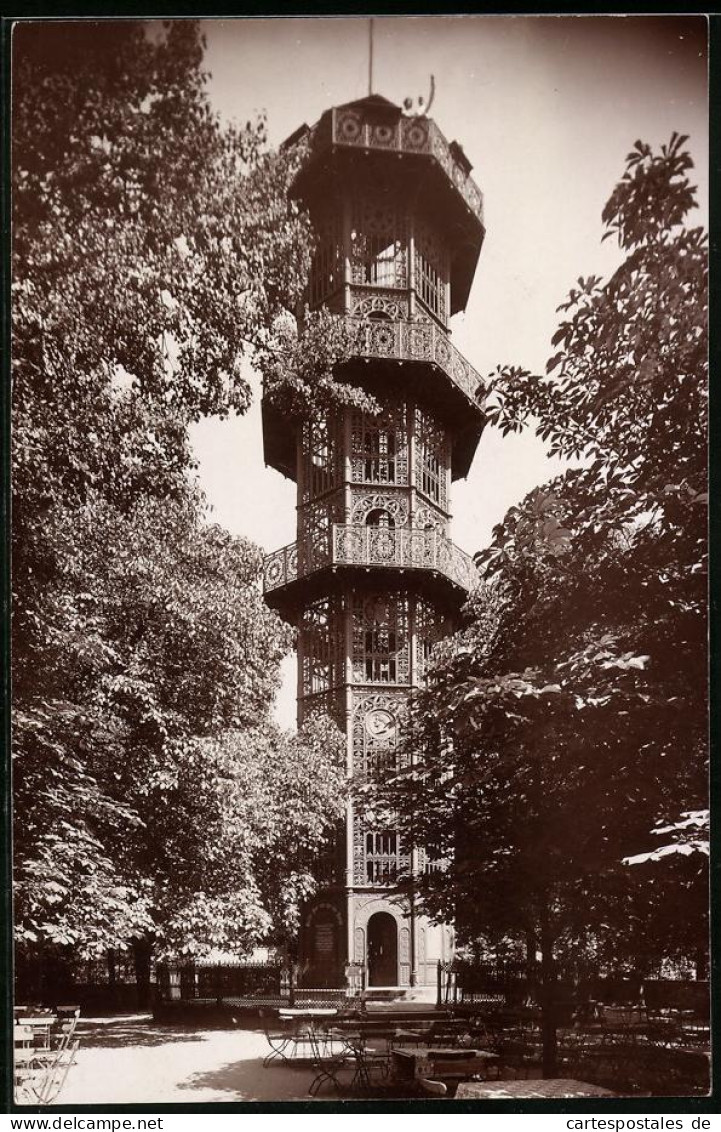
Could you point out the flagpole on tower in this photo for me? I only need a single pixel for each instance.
(370, 56)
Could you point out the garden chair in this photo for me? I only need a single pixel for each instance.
(328, 1057)
(369, 1061)
(282, 1040)
(44, 1055)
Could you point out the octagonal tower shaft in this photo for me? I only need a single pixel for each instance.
(373, 579)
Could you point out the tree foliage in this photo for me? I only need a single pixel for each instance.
(154, 250)
(570, 716)
(302, 364)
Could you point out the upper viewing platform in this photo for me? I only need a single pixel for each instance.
(376, 123)
(355, 141)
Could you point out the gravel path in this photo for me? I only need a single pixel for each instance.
(132, 1060)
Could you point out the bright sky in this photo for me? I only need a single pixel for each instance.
(546, 108)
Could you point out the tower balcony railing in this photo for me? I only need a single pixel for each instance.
(402, 548)
(368, 128)
(417, 342)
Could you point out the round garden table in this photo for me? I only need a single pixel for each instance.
(549, 1089)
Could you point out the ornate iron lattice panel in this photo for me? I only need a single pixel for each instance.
(379, 856)
(381, 638)
(379, 304)
(430, 626)
(280, 567)
(365, 128)
(432, 459)
(322, 456)
(322, 626)
(315, 532)
(376, 720)
(405, 548)
(379, 445)
(418, 341)
(329, 703)
(430, 519)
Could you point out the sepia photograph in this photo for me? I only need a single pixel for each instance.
(359, 380)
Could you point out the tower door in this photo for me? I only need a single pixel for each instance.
(382, 950)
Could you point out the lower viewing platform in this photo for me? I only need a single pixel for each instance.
(401, 548)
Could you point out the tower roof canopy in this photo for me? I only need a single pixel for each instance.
(373, 100)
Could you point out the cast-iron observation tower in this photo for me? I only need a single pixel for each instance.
(373, 579)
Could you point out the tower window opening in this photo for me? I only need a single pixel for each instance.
(381, 763)
(431, 476)
(380, 453)
(381, 640)
(431, 271)
(380, 647)
(433, 860)
(382, 857)
(322, 651)
(380, 518)
(380, 261)
(378, 245)
(432, 460)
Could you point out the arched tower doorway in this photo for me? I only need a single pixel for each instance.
(382, 950)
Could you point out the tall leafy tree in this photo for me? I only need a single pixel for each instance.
(154, 252)
(570, 716)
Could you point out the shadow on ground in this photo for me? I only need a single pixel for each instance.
(249, 1080)
(121, 1034)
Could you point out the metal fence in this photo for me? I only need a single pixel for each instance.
(494, 982)
(235, 983)
(248, 984)
(504, 982)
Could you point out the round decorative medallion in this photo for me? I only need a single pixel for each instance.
(350, 127)
(383, 134)
(383, 338)
(379, 724)
(385, 545)
(274, 571)
(416, 135)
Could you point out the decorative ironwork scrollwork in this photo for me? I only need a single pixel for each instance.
(366, 503)
(379, 445)
(355, 545)
(370, 128)
(374, 304)
(420, 340)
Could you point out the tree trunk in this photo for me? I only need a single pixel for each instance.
(142, 951)
(548, 999)
(50, 985)
(701, 963)
(112, 977)
(531, 967)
